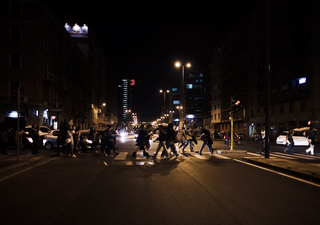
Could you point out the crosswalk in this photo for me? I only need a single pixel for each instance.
(294, 156)
(125, 158)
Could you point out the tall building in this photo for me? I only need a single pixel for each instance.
(194, 100)
(57, 66)
(238, 69)
(127, 102)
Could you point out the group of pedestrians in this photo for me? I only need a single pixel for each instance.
(170, 139)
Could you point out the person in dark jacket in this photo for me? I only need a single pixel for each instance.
(4, 133)
(207, 140)
(108, 138)
(162, 141)
(143, 140)
(290, 143)
(170, 139)
(34, 134)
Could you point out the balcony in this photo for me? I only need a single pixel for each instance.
(48, 77)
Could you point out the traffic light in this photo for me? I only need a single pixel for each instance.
(235, 105)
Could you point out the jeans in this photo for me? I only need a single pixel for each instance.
(189, 142)
(208, 146)
(290, 147)
(164, 151)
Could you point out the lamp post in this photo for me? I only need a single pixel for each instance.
(183, 87)
(180, 117)
(171, 115)
(164, 100)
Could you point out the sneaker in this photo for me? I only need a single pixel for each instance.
(74, 156)
(134, 154)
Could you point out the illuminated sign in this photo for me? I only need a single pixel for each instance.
(76, 31)
(302, 80)
(133, 82)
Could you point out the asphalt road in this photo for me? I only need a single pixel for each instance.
(93, 189)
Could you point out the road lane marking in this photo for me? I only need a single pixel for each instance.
(121, 156)
(279, 173)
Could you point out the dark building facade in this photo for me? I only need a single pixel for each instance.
(58, 76)
(238, 69)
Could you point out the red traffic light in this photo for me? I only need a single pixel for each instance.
(309, 123)
(237, 103)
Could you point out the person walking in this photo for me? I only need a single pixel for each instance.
(70, 142)
(143, 140)
(34, 134)
(289, 142)
(76, 137)
(171, 133)
(263, 140)
(93, 137)
(189, 140)
(207, 140)
(183, 139)
(162, 142)
(108, 137)
(4, 133)
(312, 140)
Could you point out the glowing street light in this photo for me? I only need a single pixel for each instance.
(183, 93)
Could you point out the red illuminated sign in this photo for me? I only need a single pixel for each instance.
(133, 82)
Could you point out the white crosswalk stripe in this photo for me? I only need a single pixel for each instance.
(294, 156)
(125, 158)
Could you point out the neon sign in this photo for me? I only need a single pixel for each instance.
(133, 82)
(77, 31)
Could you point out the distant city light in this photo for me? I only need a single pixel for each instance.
(302, 80)
(190, 116)
(13, 114)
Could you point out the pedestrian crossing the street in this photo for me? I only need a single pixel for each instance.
(125, 158)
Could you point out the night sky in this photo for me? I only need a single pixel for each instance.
(143, 39)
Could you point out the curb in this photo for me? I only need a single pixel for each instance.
(287, 170)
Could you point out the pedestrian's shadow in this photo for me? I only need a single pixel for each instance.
(162, 167)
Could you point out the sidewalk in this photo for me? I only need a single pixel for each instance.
(10, 164)
(303, 170)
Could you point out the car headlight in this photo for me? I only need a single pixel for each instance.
(30, 139)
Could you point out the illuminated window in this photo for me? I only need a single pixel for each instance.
(189, 86)
(176, 102)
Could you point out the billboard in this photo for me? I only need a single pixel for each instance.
(76, 31)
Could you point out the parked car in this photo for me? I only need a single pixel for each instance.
(50, 141)
(282, 138)
(42, 132)
(255, 136)
(299, 137)
(85, 143)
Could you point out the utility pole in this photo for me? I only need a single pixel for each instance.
(18, 125)
(231, 118)
(267, 90)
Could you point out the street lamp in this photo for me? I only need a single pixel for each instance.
(171, 115)
(180, 117)
(164, 100)
(183, 93)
